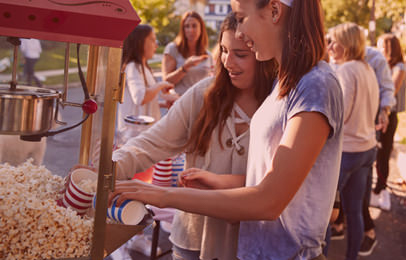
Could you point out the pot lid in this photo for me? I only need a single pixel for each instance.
(139, 120)
(27, 92)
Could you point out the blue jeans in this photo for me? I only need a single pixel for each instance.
(29, 72)
(184, 254)
(354, 171)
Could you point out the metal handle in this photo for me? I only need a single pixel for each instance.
(119, 91)
(66, 74)
(16, 42)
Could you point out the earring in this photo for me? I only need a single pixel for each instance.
(274, 20)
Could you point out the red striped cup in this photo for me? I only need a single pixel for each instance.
(75, 197)
(162, 175)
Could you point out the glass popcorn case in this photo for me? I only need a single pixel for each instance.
(40, 228)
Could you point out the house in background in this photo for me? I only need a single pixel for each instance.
(183, 6)
(215, 12)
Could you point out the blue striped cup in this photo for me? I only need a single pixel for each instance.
(130, 212)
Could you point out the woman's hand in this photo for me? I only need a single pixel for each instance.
(198, 178)
(169, 98)
(136, 190)
(194, 61)
(165, 86)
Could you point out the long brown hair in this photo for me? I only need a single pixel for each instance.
(393, 50)
(304, 42)
(220, 96)
(181, 41)
(133, 48)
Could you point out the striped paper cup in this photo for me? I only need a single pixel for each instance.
(75, 196)
(130, 212)
(178, 166)
(162, 175)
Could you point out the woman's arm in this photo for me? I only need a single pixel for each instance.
(398, 77)
(164, 139)
(169, 71)
(302, 141)
(173, 75)
(152, 91)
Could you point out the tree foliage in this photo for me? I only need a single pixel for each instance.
(358, 11)
(341, 11)
(157, 13)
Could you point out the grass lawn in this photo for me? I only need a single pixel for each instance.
(51, 58)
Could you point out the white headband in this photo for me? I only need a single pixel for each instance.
(287, 2)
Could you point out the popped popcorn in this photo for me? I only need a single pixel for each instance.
(88, 186)
(32, 225)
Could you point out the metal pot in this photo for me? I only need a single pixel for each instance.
(26, 110)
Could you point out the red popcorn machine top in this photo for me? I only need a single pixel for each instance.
(102, 23)
(30, 112)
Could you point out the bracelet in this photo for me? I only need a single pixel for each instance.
(183, 69)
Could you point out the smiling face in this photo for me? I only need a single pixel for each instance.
(192, 29)
(256, 29)
(238, 60)
(150, 46)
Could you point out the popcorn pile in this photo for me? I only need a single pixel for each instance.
(88, 186)
(32, 226)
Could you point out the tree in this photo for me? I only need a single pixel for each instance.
(388, 13)
(358, 11)
(341, 11)
(157, 13)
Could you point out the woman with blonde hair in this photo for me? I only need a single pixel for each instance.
(186, 60)
(361, 103)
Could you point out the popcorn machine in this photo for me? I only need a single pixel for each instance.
(103, 25)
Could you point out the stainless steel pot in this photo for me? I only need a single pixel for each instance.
(26, 110)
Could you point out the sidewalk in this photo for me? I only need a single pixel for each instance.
(390, 226)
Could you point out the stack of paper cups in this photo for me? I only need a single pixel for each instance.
(178, 166)
(162, 175)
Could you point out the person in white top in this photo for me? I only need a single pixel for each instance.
(212, 121)
(141, 90)
(31, 50)
(140, 99)
(361, 103)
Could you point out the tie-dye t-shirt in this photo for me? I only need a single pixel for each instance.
(299, 231)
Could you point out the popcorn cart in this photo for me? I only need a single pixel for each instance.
(103, 25)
